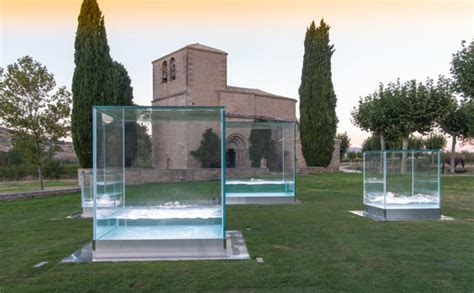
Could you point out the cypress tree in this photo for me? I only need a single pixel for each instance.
(123, 90)
(123, 95)
(93, 77)
(318, 121)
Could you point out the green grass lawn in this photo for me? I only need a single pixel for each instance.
(314, 246)
(30, 185)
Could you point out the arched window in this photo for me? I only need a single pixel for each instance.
(164, 72)
(172, 69)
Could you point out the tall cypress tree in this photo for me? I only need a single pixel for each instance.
(318, 121)
(93, 77)
(123, 95)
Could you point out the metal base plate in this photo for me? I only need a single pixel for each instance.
(381, 214)
(150, 249)
(236, 249)
(234, 200)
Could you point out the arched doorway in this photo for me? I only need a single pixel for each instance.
(236, 153)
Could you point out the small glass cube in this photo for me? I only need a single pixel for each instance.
(402, 185)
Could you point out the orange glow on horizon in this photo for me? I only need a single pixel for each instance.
(143, 13)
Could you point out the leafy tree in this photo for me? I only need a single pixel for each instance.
(469, 107)
(209, 151)
(373, 114)
(34, 114)
(11, 158)
(456, 124)
(435, 141)
(415, 143)
(354, 155)
(93, 80)
(345, 143)
(318, 122)
(371, 143)
(262, 146)
(399, 109)
(418, 106)
(462, 69)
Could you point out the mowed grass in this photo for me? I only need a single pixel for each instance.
(30, 185)
(313, 246)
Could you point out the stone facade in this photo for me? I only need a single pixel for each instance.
(196, 75)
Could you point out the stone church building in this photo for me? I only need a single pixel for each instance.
(196, 75)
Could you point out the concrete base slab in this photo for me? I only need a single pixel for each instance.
(363, 214)
(236, 200)
(236, 249)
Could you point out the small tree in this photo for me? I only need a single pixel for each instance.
(262, 146)
(373, 114)
(371, 143)
(415, 143)
(345, 143)
(456, 124)
(209, 151)
(435, 142)
(34, 114)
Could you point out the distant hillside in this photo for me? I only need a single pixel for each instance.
(355, 150)
(66, 154)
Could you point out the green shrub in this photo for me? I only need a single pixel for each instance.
(208, 152)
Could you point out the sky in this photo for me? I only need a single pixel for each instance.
(375, 40)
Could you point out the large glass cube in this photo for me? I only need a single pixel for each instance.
(402, 185)
(158, 182)
(260, 162)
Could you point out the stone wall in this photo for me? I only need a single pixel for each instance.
(256, 104)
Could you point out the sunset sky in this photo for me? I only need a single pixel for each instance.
(375, 40)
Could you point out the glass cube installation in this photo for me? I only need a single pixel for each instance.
(260, 162)
(158, 182)
(402, 185)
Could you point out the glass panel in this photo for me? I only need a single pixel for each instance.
(399, 179)
(374, 179)
(87, 194)
(158, 173)
(260, 159)
(426, 179)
